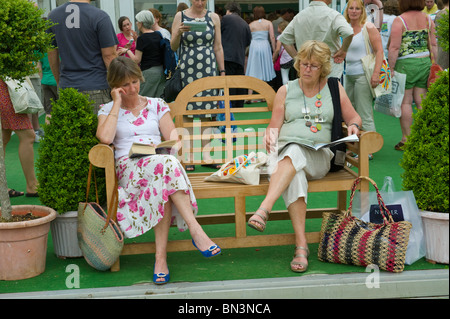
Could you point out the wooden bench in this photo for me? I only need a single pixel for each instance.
(250, 122)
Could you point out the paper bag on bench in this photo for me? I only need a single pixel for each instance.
(244, 169)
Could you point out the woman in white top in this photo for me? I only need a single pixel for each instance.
(355, 82)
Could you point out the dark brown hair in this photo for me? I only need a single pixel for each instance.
(259, 13)
(409, 5)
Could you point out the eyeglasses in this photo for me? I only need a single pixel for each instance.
(311, 66)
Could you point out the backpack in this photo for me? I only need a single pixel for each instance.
(170, 57)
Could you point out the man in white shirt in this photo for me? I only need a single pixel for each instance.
(320, 22)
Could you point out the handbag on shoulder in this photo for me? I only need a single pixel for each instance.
(345, 239)
(368, 63)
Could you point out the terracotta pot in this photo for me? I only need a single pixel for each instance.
(436, 233)
(23, 245)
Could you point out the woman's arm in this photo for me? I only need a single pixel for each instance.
(276, 52)
(271, 35)
(348, 112)
(276, 121)
(107, 124)
(377, 46)
(218, 49)
(432, 43)
(177, 30)
(395, 42)
(136, 57)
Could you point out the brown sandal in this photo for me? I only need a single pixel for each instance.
(400, 146)
(260, 226)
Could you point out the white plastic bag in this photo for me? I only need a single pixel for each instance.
(402, 206)
(23, 96)
(391, 104)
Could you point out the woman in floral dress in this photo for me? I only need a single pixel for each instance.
(154, 191)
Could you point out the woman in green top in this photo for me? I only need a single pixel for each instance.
(302, 114)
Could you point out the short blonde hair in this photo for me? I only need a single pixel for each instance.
(120, 69)
(363, 17)
(318, 51)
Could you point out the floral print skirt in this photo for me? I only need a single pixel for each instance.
(145, 184)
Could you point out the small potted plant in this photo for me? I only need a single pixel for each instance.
(23, 229)
(426, 168)
(63, 166)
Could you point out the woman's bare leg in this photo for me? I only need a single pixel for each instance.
(182, 201)
(278, 183)
(161, 236)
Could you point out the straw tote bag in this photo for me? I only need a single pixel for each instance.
(345, 239)
(368, 63)
(99, 237)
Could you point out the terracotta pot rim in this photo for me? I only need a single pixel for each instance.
(30, 223)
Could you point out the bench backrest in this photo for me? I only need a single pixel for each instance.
(240, 136)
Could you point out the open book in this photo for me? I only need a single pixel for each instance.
(318, 146)
(140, 149)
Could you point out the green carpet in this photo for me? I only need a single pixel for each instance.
(245, 263)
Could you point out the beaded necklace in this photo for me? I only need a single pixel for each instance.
(318, 118)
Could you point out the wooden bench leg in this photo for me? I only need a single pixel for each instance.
(240, 218)
(116, 266)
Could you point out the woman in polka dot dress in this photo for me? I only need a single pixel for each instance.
(200, 52)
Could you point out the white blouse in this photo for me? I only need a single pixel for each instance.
(141, 129)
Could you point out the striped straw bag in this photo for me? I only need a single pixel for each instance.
(344, 239)
(99, 237)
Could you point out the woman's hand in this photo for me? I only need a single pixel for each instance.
(270, 139)
(375, 80)
(116, 94)
(183, 28)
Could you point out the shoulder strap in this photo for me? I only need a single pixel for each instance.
(404, 22)
(336, 129)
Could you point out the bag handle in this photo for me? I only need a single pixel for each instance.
(367, 39)
(387, 217)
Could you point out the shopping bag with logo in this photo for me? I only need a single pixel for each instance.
(244, 169)
(391, 104)
(403, 207)
(368, 63)
(345, 239)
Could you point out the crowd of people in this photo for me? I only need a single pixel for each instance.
(319, 51)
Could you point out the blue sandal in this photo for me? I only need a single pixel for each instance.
(208, 253)
(160, 275)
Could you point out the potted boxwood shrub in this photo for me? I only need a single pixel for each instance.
(23, 240)
(63, 166)
(426, 168)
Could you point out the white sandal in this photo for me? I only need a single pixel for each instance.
(262, 225)
(304, 265)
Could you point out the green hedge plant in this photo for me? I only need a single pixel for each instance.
(23, 39)
(426, 158)
(63, 162)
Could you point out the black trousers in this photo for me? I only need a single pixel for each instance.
(232, 68)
